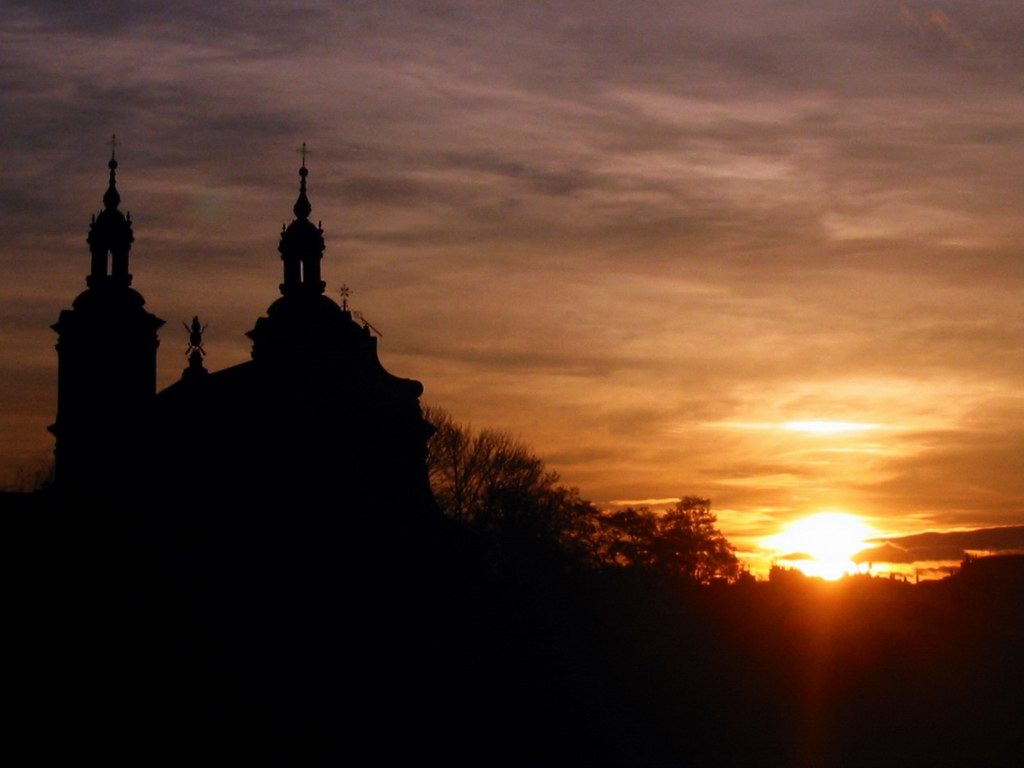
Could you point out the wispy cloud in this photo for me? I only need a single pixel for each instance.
(601, 230)
(933, 20)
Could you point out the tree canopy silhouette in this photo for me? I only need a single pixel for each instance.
(684, 541)
(521, 515)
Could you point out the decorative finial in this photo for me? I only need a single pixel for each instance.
(111, 198)
(195, 337)
(195, 352)
(302, 207)
(345, 292)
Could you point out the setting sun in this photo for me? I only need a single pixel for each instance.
(822, 544)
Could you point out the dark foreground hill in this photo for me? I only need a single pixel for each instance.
(312, 641)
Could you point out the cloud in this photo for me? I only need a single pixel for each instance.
(600, 230)
(889, 553)
(945, 545)
(929, 21)
(794, 557)
(643, 502)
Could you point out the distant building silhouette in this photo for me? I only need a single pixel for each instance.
(313, 419)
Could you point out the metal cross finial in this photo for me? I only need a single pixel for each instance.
(345, 292)
(113, 146)
(303, 151)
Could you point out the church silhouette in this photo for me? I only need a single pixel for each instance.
(249, 564)
(313, 419)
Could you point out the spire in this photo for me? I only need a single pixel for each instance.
(111, 198)
(110, 235)
(302, 245)
(302, 208)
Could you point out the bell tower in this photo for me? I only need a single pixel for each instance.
(302, 246)
(304, 327)
(106, 358)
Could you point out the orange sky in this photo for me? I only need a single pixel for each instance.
(649, 241)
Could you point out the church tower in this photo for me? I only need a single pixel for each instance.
(305, 329)
(313, 421)
(106, 358)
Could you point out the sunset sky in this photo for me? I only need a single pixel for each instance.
(770, 253)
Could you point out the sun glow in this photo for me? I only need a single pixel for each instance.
(822, 544)
(828, 427)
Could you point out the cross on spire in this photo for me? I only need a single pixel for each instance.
(345, 292)
(111, 198)
(303, 151)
